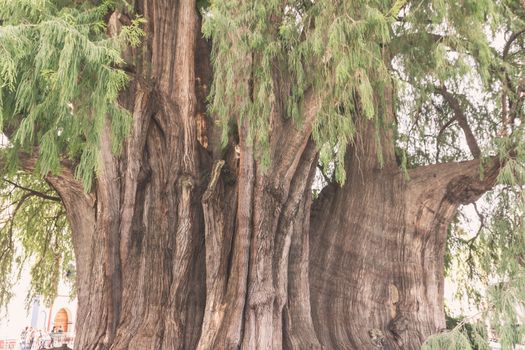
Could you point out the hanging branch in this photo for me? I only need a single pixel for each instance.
(10, 229)
(507, 85)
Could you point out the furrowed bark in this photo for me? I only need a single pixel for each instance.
(377, 244)
(145, 234)
(298, 329)
(184, 245)
(377, 249)
(245, 300)
(149, 225)
(248, 312)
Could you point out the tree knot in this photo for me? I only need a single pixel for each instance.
(214, 178)
(377, 337)
(398, 326)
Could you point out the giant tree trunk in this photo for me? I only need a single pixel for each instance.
(184, 246)
(377, 248)
(377, 256)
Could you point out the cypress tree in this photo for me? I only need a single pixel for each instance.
(264, 174)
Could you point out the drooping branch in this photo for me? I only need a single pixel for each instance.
(462, 120)
(414, 39)
(10, 229)
(506, 115)
(441, 131)
(34, 192)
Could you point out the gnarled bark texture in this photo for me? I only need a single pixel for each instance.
(377, 254)
(182, 245)
(377, 247)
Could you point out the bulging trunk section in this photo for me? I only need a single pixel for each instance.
(140, 253)
(377, 250)
(249, 290)
(376, 279)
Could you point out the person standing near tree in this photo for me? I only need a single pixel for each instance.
(30, 338)
(23, 338)
(37, 340)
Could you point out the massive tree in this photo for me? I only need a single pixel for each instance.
(258, 174)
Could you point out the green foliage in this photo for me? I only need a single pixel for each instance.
(460, 334)
(461, 46)
(488, 264)
(333, 49)
(348, 54)
(33, 232)
(60, 77)
(453, 340)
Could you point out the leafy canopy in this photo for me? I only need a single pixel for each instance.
(60, 77)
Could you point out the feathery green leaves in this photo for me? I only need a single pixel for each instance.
(60, 77)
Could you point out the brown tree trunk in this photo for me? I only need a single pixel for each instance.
(183, 246)
(179, 246)
(377, 248)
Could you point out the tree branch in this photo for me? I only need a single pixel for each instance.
(509, 42)
(20, 203)
(64, 182)
(34, 192)
(460, 116)
(412, 39)
(507, 84)
(441, 131)
(460, 182)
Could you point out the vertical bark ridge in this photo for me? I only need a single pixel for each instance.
(298, 328)
(238, 277)
(183, 157)
(184, 80)
(216, 258)
(275, 201)
(291, 221)
(108, 222)
(81, 214)
(148, 219)
(134, 158)
(227, 251)
(261, 294)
